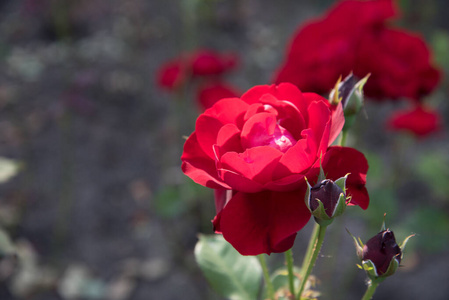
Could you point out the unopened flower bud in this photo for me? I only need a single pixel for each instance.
(328, 193)
(326, 200)
(381, 250)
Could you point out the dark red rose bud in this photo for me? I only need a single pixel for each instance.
(381, 250)
(328, 192)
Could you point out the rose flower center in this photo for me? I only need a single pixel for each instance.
(278, 138)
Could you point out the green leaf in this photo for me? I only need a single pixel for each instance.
(440, 46)
(173, 200)
(432, 169)
(230, 274)
(281, 284)
(8, 169)
(168, 202)
(431, 226)
(6, 245)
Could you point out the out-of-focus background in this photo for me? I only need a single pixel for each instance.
(99, 209)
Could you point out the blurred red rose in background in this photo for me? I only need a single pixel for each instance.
(210, 92)
(256, 151)
(202, 62)
(398, 63)
(171, 75)
(355, 36)
(418, 120)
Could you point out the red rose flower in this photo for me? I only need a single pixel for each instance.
(354, 36)
(326, 49)
(172, 74)
(256, 150)
(418, 120)
(207, 62)
(398, 63)
(210, 92)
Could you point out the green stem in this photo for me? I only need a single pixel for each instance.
(291, 276)
(307, 269)
(308, 254)
(344, 135)
(266, 275)
(372, 285)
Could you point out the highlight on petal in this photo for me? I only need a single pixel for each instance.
(263, 222)
(298, 158)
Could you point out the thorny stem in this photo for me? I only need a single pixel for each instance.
(266, 275)
(291, 276)
(316, 240)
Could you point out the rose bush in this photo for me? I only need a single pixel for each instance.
(255, 151)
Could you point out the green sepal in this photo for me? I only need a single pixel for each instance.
(334, 96)
(306, 199)
(383, 227)
(321, 216)
(370, 269)
(392, 267)
(341, 182)
(321, 176)
(341, 206)
(358, 245)
(404, 242)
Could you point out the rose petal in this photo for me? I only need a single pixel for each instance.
(263, 222)
(340, 161)
(283, 91)
(208, 124)
(258, 130)
(239, 182)
(228, 139)
(298, 158)
(320, 123)
(199, 167)
(255, 163)
(359, 195)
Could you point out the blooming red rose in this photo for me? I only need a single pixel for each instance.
(172, 74)
(255, 151)
(418, 120)
(355, 36)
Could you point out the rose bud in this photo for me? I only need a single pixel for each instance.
(326, 200)
(381, 255)
(383, 252)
